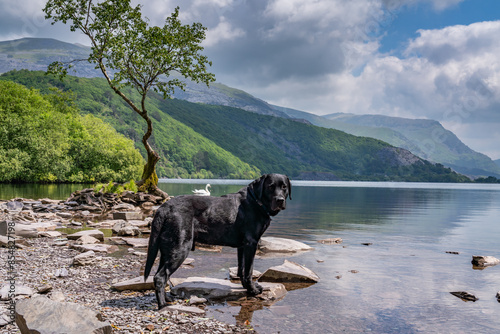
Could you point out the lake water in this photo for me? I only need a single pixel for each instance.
(400, 282)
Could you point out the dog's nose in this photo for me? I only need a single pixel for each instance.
(281, 202)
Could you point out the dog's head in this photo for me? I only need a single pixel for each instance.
(272, 190)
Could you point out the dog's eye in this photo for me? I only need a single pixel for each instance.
(283, 187)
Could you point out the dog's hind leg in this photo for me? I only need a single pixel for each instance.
(173, 253)
(160, 279)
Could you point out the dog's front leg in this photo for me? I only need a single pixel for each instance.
(246, 267)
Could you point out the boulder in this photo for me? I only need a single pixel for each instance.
(484, 261)
(84, 259)
(94, 233)
(42, 315)
(137, 284)
(19, 290)
(289, 272)
(125, 228)
(281, 245)
(219, 289)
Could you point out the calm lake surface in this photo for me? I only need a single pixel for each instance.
(400, 283)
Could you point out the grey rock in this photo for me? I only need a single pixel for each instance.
(125, 228)
(86, 240)
(131, 215)
(219, 289)
(484, 261)
(331, 241)
(94, 233)
(65, 215)
(14, 206)
(183, 309)
(61, 272)
(194, 300)
(21, 230)
(57, 296)
(84, 259)
(289, 272)
(42, 315)
(46, 288)
(282, 245)
(19, 290)
(50, 234)
(137, 284)
(233, 273)
(98, 248)
(5, 241)
(136, 242)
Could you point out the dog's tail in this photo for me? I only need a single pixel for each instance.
(153, 245)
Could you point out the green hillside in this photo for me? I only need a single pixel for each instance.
(215, 141)
(184, 153)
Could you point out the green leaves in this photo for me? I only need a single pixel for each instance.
(44, 139)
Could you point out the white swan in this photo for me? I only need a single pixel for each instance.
(202, 192)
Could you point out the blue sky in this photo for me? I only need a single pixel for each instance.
(435, 59)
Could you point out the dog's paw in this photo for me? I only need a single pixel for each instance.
(255, 290)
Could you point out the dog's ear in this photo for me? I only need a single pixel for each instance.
(289, 185)
(258, 186)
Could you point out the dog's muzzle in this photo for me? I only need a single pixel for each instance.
(279, 204)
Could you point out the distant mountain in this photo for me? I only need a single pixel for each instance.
(497, 162)
(413, 135)
(426, 138)
(36, 54)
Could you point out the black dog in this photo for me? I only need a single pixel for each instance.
(235, 220)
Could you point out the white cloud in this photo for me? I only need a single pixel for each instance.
(224, 31)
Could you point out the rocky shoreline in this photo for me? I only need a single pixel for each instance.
(44, 263)
(61, 252)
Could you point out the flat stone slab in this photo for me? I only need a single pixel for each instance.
(282, 245)
(98, 248)
(289, 272)
(136, 284)
(93, 233)
(182, 309)
(137, 242)
(43, 315)
(219, 289)
(19, 290)
(50, 234)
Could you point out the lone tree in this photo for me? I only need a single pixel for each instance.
(130, 53)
